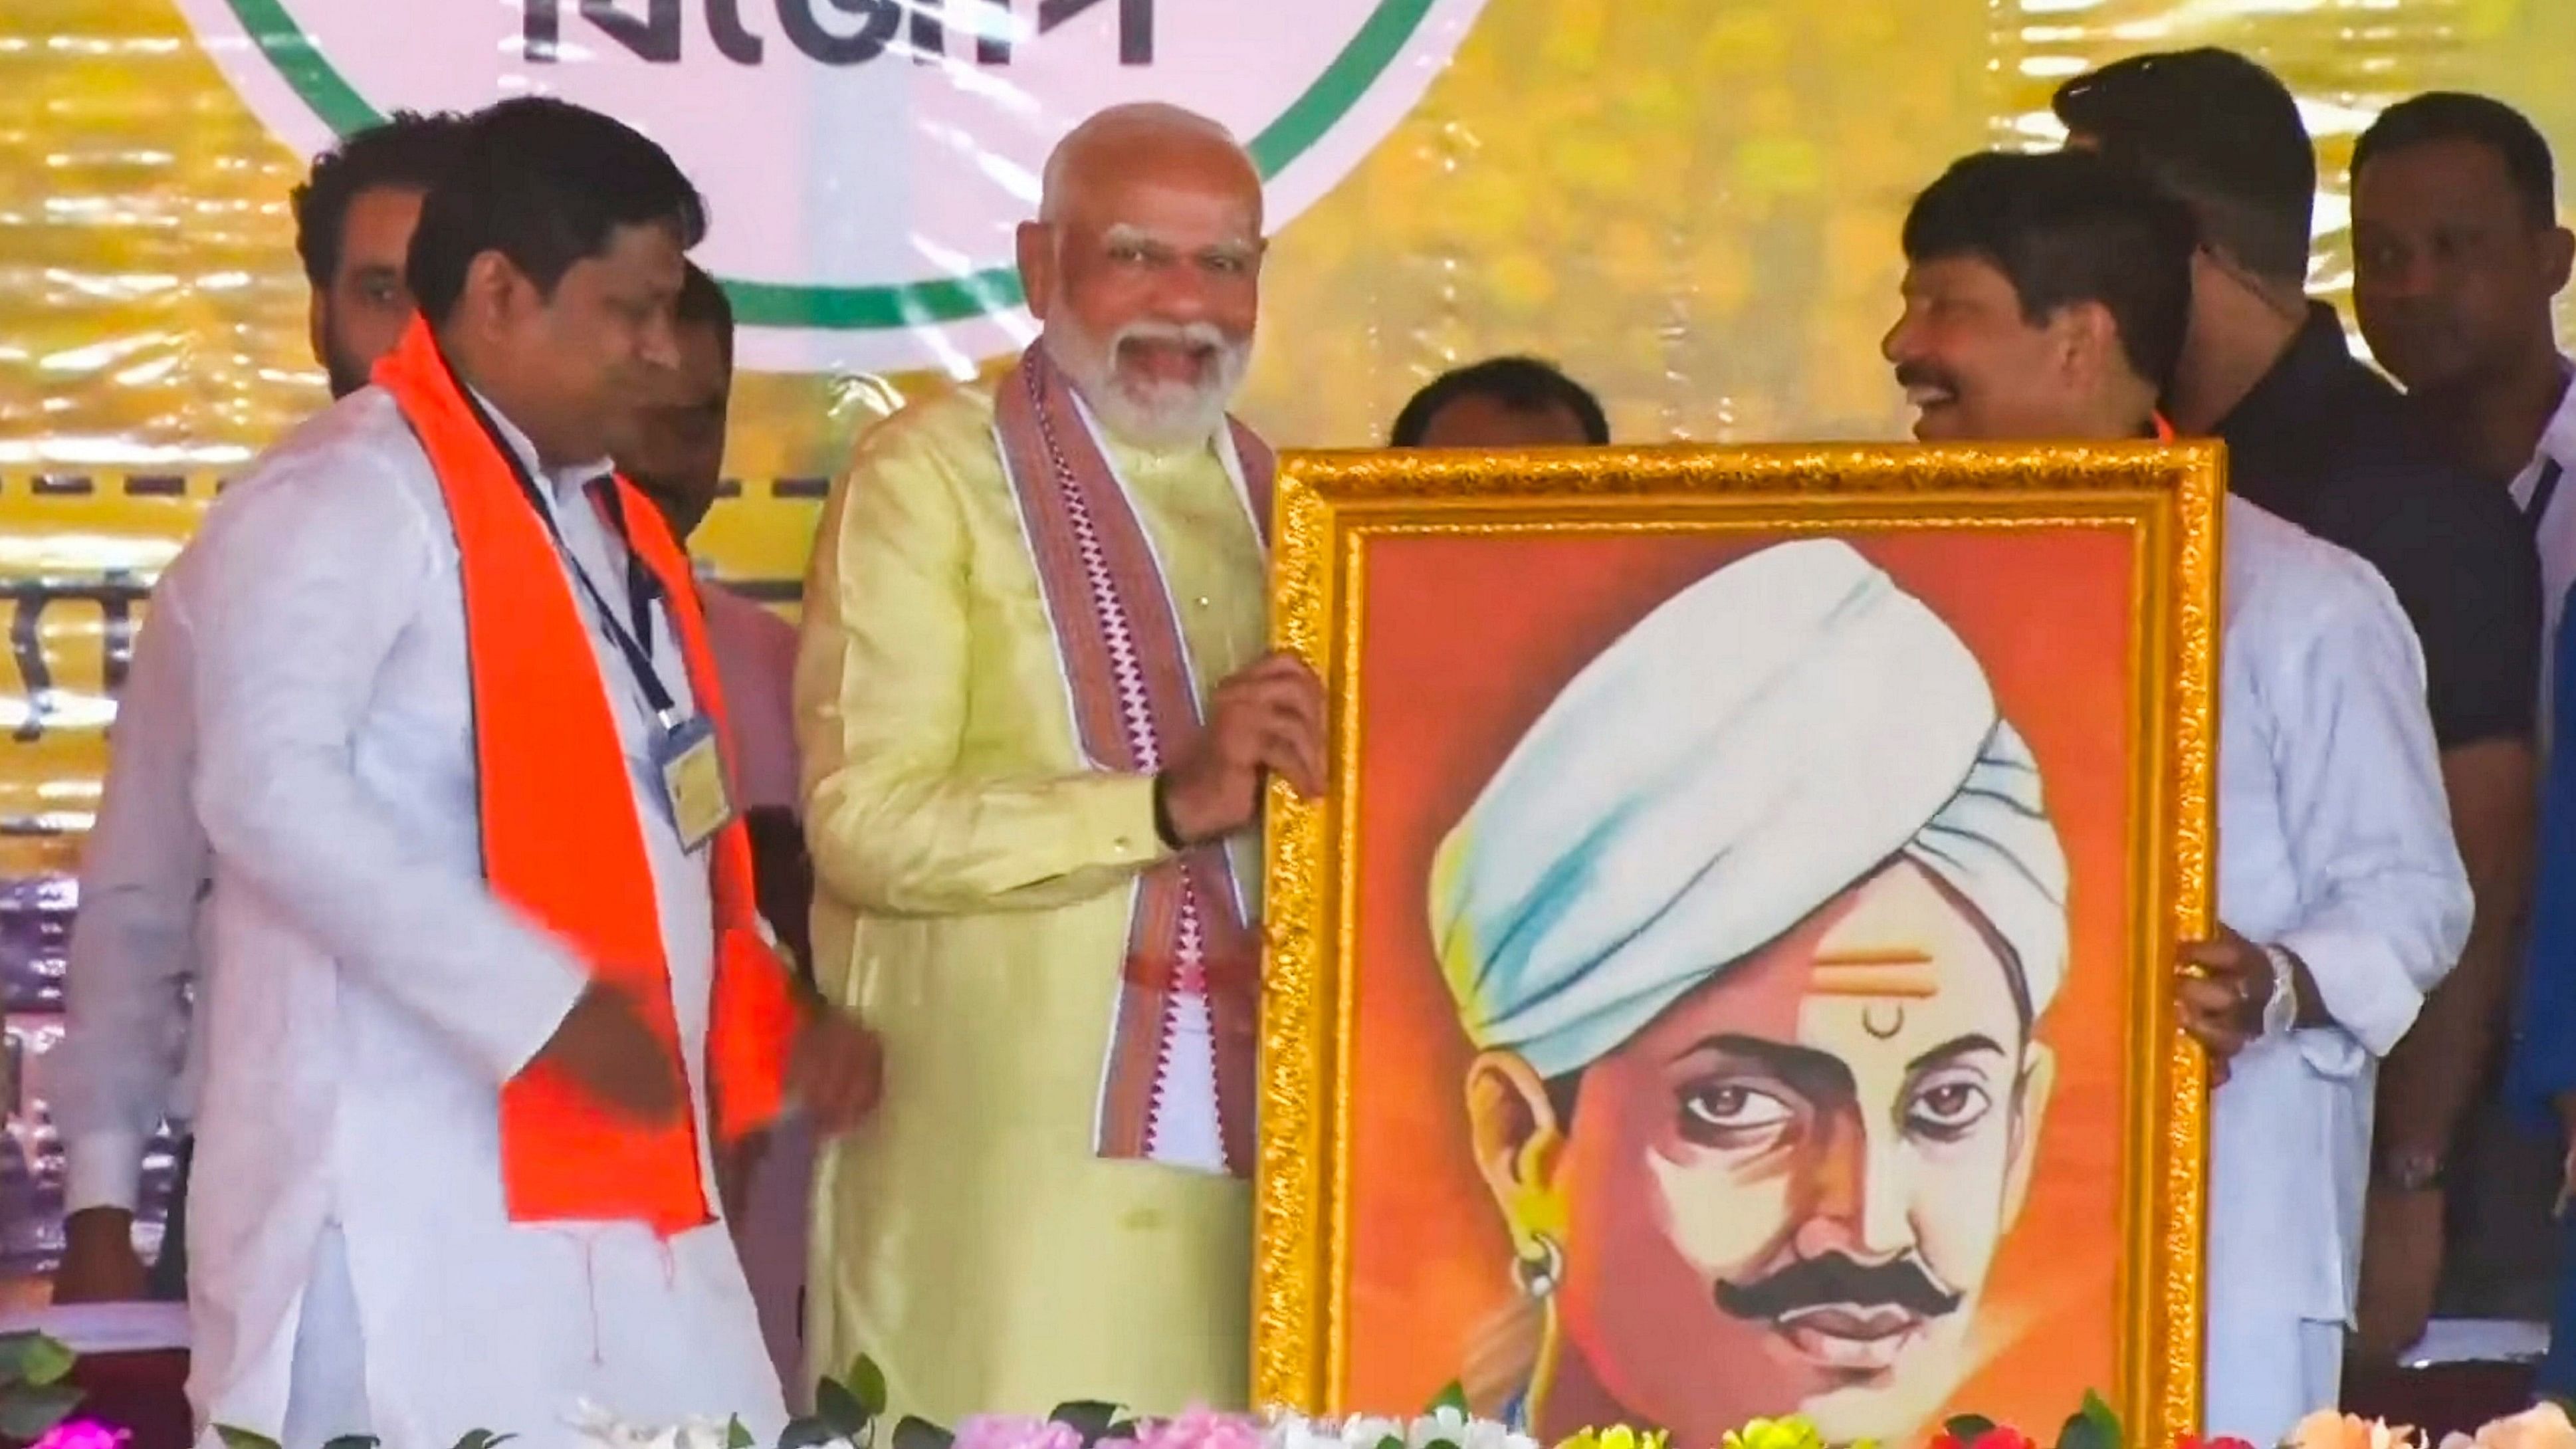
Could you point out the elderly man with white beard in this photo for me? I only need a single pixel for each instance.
(1033, 820)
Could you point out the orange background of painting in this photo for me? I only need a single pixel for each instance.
(1465, 640)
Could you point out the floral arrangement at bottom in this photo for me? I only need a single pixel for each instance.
(1449, 1426)
(848, 1411)
(2543, 1427)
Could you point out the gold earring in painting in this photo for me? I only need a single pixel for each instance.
(1542, 1268)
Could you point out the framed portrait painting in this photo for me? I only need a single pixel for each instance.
(1729, 974)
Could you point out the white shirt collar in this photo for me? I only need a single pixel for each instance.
(2557, 440)
(565, 483)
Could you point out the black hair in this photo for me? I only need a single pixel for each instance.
(703, 304)
(410, 151)
(2479, 120)
(2221, 133)
(2068, 227)
(546, 184)
(1519, 384)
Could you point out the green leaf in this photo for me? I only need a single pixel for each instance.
(866, 1382)
(840, 1409)
(1454, 1396)
(736, 1436)
(243, 1438)
(805, 1433)
(1123, 1429)
(2104, 1419)
(354, 1441)
(484, 1439)
(34, 1358)
(1968, 1428)
(2084, 1432)
(1087, 1417)
(1391, 1441)
(912, 1433)
(26, 1412)
(1434, 1444)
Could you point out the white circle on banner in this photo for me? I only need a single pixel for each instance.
(865, 161)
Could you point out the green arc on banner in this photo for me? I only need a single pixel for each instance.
(1379, 40)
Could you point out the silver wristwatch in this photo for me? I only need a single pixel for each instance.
(2281, 1009)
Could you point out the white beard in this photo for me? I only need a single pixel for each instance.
(1146, 413)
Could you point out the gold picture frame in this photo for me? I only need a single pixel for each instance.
(1334, 509)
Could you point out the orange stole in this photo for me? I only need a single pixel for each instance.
(561, 841)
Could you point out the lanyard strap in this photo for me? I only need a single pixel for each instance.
(2542, 490)
(641, 587)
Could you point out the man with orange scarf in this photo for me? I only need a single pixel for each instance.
(489, 991)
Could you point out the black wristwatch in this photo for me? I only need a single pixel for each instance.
(1164, 830)
(2415, 1171)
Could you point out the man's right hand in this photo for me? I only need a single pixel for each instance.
(99, 1261)
(603, 1044)
(1267, 717)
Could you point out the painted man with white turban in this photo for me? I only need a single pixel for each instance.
(1753, 929)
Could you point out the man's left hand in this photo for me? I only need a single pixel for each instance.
(2221, 987)
(2401, 1266)
(837, 1072)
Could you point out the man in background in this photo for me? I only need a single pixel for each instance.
(2458, 259)
(2046, 298)
(673, 450)
(2316, 437)
(1502, 402)
(128, 1062)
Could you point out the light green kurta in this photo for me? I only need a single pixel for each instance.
(975, 881)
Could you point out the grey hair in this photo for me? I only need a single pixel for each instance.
(1155, 117)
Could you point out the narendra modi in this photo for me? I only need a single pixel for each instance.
(1035, 717)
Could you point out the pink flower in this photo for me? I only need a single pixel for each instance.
(82, 1434)
(998, 1431)
(1199, 1429)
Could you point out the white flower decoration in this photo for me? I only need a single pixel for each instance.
(1443, 1425)
(604, 1430)
(600, 1429)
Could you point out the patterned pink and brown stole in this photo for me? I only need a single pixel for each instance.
(1136, 706)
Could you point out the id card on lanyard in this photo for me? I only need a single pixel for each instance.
(686, 761)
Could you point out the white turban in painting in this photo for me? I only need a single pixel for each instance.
(1759, 744)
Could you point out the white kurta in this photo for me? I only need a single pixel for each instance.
(368, 997)
(2554, 530)
(2334, 842)
(127, 1059)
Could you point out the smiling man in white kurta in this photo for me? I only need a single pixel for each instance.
(2046, 297)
